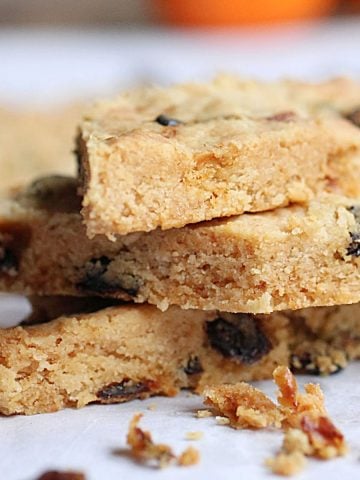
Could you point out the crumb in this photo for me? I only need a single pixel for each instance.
(325, 439)
(308, 431)
(296, 440)
(244, 405)
(287, 464)
(189, 457)
(145, 450)
(152, 407)
(295, 405)
(306, 412)
(222, 420)
(56, 475)
(194, 435)
(204, 414)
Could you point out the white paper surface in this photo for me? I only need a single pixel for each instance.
(54, 66)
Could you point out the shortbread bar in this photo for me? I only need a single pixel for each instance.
(289, 258)
(126, 352)
(167, 157)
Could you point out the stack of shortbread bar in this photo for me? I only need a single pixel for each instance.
(212, 234)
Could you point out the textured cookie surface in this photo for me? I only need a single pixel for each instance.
(169, 157)
(126, 352)
(293, 257)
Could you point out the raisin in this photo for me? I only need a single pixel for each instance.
(56, 475)
(354, 116)
(98, 280)
(238, 336)
(167, 121)
(286, 116)
(193, 366)
(354, 246)
(125, 390)
(8, 262)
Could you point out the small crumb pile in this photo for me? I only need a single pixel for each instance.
(144, 450)
(243, 405)
(308, 431)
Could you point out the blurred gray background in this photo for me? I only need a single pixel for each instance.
(72, 12)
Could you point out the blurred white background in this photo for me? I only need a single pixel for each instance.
(54, 51)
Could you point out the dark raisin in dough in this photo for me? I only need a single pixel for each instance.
(98, 280)
(238, 336)
(167, 121)
(125, 390)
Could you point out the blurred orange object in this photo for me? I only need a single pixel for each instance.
(236, 12)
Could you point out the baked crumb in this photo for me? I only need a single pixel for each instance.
(188, 457)
(287, 464)
(222, 420)
(296, 440)
(308, 431)
(306, 412)
(57, 475)
(325, 439)
(203, 414)
(145, 450)
(152, 407)
(244, 405)
(194, 435)
(295, 405)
